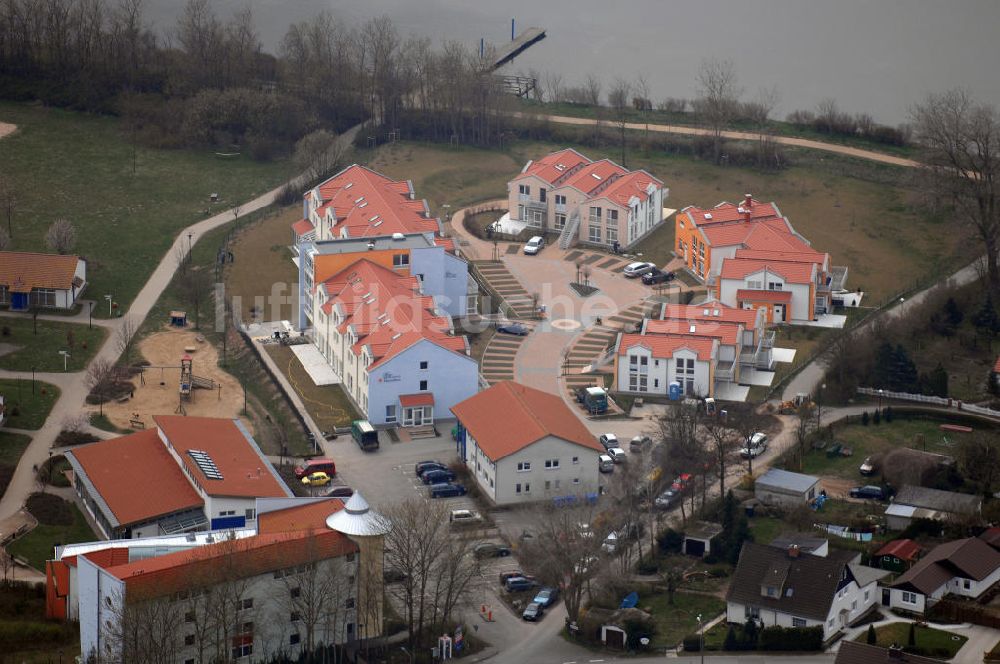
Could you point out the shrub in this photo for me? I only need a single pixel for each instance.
(864, 418)
(872, 638)
(5, 330)
(692, 643)
(791, 638)
(730, 642)
(670, 541)
(647, 566)
(75, 438)
(50, 510)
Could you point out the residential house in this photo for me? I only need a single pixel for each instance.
(855, 652)
(785, 488)
(789, 588)
(755, 259)
(698, 347)
(991, 536)
(524, 445)
(186, 474)
(897, 555)
(30, 280)
(917, 502)
(397, 354)
(592, 202)
(966, 567)
(242, 596)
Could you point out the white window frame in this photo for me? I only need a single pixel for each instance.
(909, 598)
(523, 466)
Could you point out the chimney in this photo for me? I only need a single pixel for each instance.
(747, 206)
(793, 551)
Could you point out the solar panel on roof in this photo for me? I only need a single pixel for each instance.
(205, 464)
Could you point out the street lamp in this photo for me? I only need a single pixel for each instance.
(108, 298)
(91, 323)
(190, 235)
(819, 406)
(65, 354)
(32, 380)
(701, 639)
(880, 393)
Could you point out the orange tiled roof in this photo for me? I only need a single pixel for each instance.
(810, 256)
(665, 345)
(594, 175)
(422, 399)
(446, 242)
(303, 226)
(726, 213)
(706, 311)
(387, 311)
(508, 417)
(727, 332)
(245, 471)
(368, 204)
(136, 477)
(244, 558)
(311, 516)
(744, 294)
(905, 549)
(556, 166)
(21, 271)
(775, 235)
(796, 273)
(631, 184)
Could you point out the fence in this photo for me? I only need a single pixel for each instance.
(950, 610)
(937, 401)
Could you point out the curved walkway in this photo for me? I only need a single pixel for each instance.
(870, 155)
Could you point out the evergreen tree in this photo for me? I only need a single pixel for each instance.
(730, 642)
(937, 382)
(888, 414)
(864, 418)
(872, 639)
(903, 376)
(952, 313)
(877, 417)
(911, 640)
(750, 634)
(986, 319)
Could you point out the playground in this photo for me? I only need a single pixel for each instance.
(158, 391)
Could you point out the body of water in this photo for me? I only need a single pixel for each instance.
(873, 56)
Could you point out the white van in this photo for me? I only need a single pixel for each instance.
(605, 463)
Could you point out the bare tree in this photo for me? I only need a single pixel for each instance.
(805, 423)
(723, 442)
(8, 202)
(758, 111)
(618, 99)
(718, 98)
(125, 339)
(682, 450)
(319, 154)
(143, 631)
(554, 86)
(100, 376)
(4, 240)
(61, 236)
(960, 139)
(196, 287)
(746, 420)
(646, 105)
(592, 97)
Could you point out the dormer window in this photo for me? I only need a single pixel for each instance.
(768, 591)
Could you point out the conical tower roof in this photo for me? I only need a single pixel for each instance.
(358, 519)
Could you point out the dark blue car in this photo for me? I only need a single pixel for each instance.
(447, 490)
(437, 476)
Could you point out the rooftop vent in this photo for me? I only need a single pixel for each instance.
(373, 218)
(560, 167)
(205, 464)
(348, 185)
(396, 336)
(595, 176)
(708, 215)
(358, 199)
(691, 329)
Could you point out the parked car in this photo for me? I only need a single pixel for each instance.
(364, 434)
(437, 476)
(667, 499)
(656, 276)
(640, 444)
(316, 466)
(533, 612)
(633, 270)
(512, 573)
(429, 468)
(316, 479)
(424, 465)
(868, 467)
(617, 454)
(547, 596)
(490, 550)
(340, 492)
(869, 492)
(608, 440)
(518, 584)
(605, 464)
(516, 329)
(447, 490)
(756, 446)
(534, 245)
(464, 517)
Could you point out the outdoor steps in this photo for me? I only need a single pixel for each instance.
(426, 431)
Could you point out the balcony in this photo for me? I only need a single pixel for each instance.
(725, 371)
(560, 207)
(535, 205)
(835, 279)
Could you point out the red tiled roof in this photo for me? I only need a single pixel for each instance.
(136, 477)
(311, 516)
(555, 166)
(738, 233)
(387, 311)
(410, 400)
(796, 273)
(665, 345)
(245, 471)
(508, 417)
(594, 175)
(367, 204)
(775, 235)
(245, 558)
(706, 311)
(763, 295)
(904, 549)
(21, 271)
(810, 256)
(725, 212)
(631, 184)
(303, 226)
(727, 332)
(446, 242)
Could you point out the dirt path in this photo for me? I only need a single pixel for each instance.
(6, 129)
(870, 155)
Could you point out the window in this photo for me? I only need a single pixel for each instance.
(296, 592)
(560, 200)
(557, 484)
(798, 622)
(244, 650)
(293, 639)
(560, 223)
(548, 485)
(867, 594)
(909, 598)
(751, 611)
(753, 285)
(189, 640)
(423, 385)
(400, 260)
(576, 460)
(832, 620)
(772, 591)
(251, 514)
(349, 557)
(227, 513)
(576, 480)
(551, 464)
(541, 194)
(349, 604)
(189, 616)
(423, 365)
(595, 215)
(42, 297)
(612, 218)
(244, 604)
(390, 413)
(295, 617)
(517, 488)
(774, 285)
(967, 584)
(524, 190)
(594, 232)
(612, 233)
(523, 466)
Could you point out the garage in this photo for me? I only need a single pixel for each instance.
(698, 538)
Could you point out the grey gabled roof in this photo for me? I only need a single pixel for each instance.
(942, 501)
(865, 575)
(807, 542)
(789, 481)
(808, 582)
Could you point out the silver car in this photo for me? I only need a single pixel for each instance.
(633, 270)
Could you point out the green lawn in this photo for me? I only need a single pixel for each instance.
(927, 638)
(36, 547)
(766, 528)
(125, 222)
(26, 406)
(41, 351)
(674, 622)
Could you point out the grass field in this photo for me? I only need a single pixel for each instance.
(927, 638)
(673, 623)
(12, 446)
(125, 222)
(36, 546)
(328, 405)
(27, 407)
(263, 274)
(41, 351)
